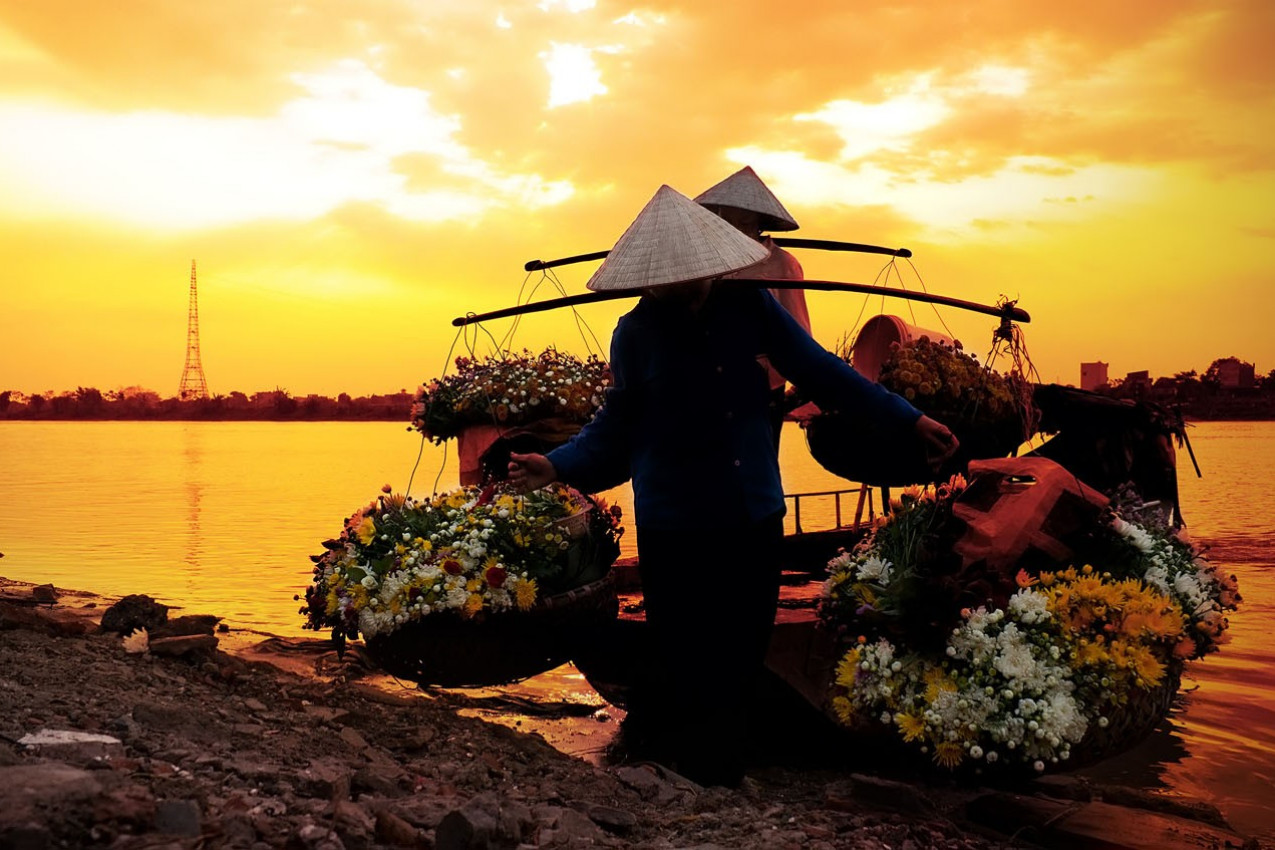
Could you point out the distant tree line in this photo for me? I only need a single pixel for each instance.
(141, 403)
(1230, 388)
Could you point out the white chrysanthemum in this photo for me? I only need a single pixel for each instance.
(1015, 661)
(1029, 606)
(1135, 534)
(1188, 587)
(875, 569)
(1157, 578)
(1063, 718)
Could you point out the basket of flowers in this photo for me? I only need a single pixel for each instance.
(989, 412)
(530, 402)
(470, 587)
(1047, 661)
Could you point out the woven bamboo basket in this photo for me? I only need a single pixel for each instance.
(495, 649)
(1128, 725)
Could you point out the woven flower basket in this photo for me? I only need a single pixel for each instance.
(1127, 726)
(448, 650)
(1130, 723)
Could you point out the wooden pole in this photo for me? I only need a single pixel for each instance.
(1011, 312)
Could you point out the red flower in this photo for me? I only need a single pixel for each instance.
(495, 576)
(452, 566)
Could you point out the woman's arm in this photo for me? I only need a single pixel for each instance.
(597, 458)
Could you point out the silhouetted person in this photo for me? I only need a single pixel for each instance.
(688, 420)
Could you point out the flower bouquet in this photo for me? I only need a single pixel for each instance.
(988, 411)
(510, 390)
(950, 386)
(1033, 667)
(473, 586)
(520, 402)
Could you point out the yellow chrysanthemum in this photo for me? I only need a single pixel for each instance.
(1090, 653)
(837, 579)
(473, 604)
(1090, 587)
(366, 530)
(844, 710)
(937, 682)
(474, 585)
(847, 669)
(525, 593)
(1166, 623)
(910, 725)
(949, 754)
(333, 602)
(1145, 666)
(864, 594)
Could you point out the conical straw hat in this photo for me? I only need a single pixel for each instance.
(744, 190)
(674, 240)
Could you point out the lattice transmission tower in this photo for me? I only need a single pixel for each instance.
(193, 383)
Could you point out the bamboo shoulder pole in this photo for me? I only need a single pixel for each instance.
(1008, 311)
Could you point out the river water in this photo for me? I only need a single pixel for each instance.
(219, 517)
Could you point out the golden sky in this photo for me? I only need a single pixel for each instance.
(352, 174)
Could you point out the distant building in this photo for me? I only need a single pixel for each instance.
(1137, 384)
(1164, 390)
(1235, 374)
(1093, 375)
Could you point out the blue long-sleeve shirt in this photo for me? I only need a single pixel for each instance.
(687, 415)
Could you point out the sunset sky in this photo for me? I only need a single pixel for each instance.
(352, 174)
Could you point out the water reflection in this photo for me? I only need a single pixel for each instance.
(193, 455)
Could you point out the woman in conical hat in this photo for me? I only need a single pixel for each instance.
(744, 201)
(687, 421)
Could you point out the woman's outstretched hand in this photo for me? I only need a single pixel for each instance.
(940, 442)
(530, 472)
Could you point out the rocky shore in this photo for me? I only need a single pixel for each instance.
(179, 743)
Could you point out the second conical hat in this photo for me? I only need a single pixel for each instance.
(674, 240)
(744, 190)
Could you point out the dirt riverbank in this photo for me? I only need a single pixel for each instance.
(187, 745)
